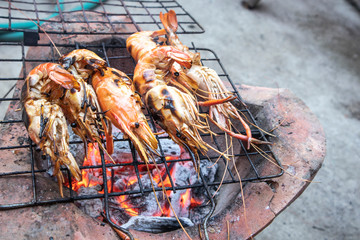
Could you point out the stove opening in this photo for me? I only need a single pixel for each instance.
(138, 208)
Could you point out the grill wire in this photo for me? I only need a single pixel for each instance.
(143, 14)
(136, 11)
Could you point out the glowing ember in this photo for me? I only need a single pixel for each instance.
(185, 199)
(166, 182)
(124, 178)
(92, 176)
(128, 208)
(168, 158)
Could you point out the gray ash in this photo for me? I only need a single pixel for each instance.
(189, 204)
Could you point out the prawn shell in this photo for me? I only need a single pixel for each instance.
(117, 98)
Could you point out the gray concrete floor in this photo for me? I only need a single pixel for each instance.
(311, 48)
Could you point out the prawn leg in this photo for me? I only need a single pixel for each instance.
(216, 101)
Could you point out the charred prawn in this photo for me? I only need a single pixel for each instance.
(44, 118)
(174, 110)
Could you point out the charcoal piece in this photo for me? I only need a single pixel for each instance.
(208, 170)
(170, 148)
(156, 224)
(184, 173)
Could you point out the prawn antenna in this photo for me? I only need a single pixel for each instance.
(207, 217)
(47, 35)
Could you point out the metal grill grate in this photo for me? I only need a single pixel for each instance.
(114, 52)
(91, 17)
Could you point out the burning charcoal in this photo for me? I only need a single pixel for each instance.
(78, 150)
(74, 137)
(148, 200)
(144, 204)
(117, 213)
(92, 207)
(122, 152)
(181, 201)
(125, 181)
(183, 173)
(209, 172)
(139, 208)
(156, 224)
(169, 148)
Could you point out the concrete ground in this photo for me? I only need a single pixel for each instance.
(311, 48)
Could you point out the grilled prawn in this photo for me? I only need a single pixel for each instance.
(205, 82)
(45, 120)
(122, 106)
(82, 63)
(81, 107)
(175, 111)
(140, 43)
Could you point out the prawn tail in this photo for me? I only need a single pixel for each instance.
(139, 143)
(64, 78)
(169, 21)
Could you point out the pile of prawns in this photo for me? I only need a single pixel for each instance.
(170, 79)
(82, 91)
(76, 91)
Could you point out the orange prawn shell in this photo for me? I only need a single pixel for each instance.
(122, 105)
(153, 67)
(140, 43)
(82, 57)
(44, 85)
(116, 94)
(174, 110)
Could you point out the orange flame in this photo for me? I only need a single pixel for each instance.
(168, 158)
(128, 208)
(93, 176)
(166, 182)
(132, 180)
(185, 199)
